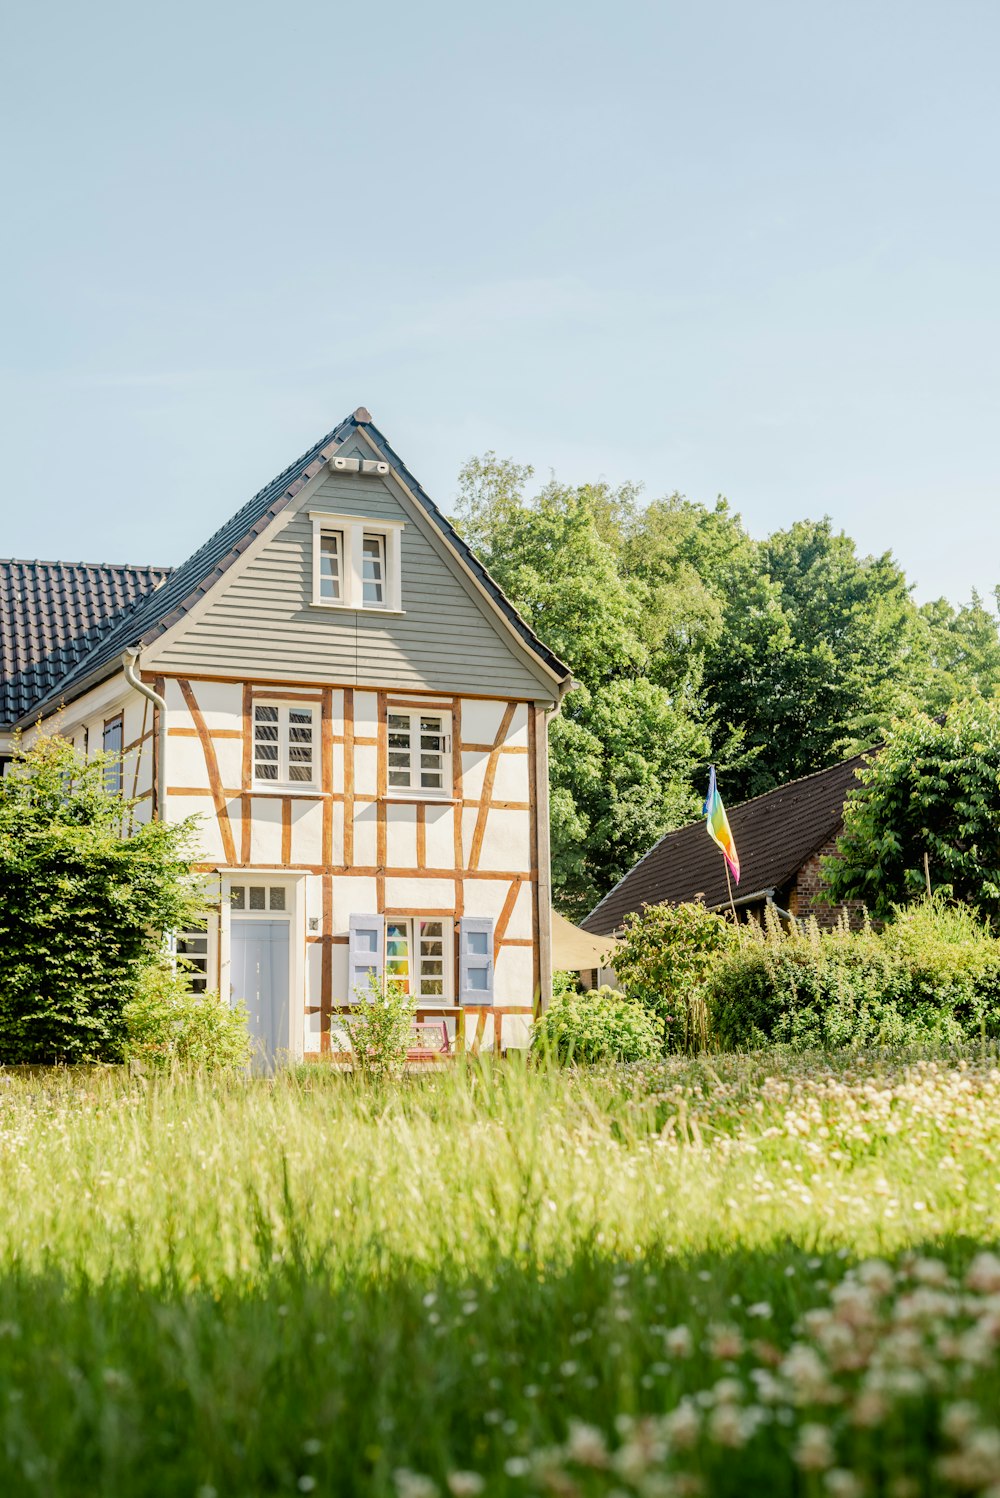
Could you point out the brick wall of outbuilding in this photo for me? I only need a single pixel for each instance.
(807, 886)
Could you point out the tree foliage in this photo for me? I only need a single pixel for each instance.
(933, 789)
(82, 905)
(693, 642)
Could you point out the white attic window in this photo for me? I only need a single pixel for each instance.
(356, 562)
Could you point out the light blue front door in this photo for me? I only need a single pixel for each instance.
(258, 952)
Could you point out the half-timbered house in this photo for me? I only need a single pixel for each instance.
(335, 684)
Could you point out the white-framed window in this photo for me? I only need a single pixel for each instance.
(419, 955)
(284, 744)
(373, 571)
(331, 566)
(190, 953)
(258, 899)
(356, 562)
(419, 745)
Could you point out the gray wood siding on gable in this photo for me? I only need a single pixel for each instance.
(261, 621)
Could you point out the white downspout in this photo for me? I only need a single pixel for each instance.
(128, 661)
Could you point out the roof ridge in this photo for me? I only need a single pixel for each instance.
(93, 566)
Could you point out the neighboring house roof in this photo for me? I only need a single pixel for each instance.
(154, 613)
(52, 614)
(775, 834)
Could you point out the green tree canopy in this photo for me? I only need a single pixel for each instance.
(82, 905)
(933, 789)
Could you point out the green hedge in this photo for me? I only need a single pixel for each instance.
(600, 1025)
(930, 976)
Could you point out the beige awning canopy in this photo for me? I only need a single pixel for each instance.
(577, 951)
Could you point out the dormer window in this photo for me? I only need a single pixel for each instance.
(356, 562)
(331, 566)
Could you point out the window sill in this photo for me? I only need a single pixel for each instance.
(352, 608)
(418, 798)
(304, 792)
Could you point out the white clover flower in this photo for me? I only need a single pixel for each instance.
(931, 1272)
(414, 1484)
(586, 1445)
(984, 1274)
(814, 1449)
(682, 1425)
(877, 1275)
(679, 1342)
(760, 1308)
(959, 1420)
(805, 1370)
(465, 1484)
(726, 1426)
(728, 1391)
(840, 1483)
(726, 1342)
(517, 1466)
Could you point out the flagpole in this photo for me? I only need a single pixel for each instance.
(729, 883)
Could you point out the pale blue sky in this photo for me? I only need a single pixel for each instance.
(738, 248)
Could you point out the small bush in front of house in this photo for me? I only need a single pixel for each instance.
(168, 1026)
(381, 1029)
(930, 977)
(666, 955)
(82, 905)
(601, 1025)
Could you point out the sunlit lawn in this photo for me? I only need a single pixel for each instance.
(644, 1282)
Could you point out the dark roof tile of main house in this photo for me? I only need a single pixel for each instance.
(154, 612)
(775, 834)
(52, 614)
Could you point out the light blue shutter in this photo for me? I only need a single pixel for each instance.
(366, 953)
(475, 959)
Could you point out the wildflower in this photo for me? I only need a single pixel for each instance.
(414, 1484)
(760, 1308)
(870, 1409)
(679, 1342)
(517, 1466)
(726, 1342)
(984, 1274)
(683, 1424)
(725, 1425)
(465, 1484)
(814, 1450)
(959, 1420)
(876, 1275)
(306, 1483)
(586, 1445)
(805, 1371)
(840, 1483)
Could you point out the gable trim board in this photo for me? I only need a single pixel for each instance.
(154, 615)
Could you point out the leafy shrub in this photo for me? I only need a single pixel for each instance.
(167, 1026)
(601, 1025)
(931, 976)
(81, 905)
(664, 960)
(381, 1031)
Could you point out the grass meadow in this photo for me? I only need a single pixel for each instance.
(734, 1276)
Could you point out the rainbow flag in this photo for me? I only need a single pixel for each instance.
(719, 829)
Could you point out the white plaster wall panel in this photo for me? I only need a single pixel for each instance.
(221, 702)
(265, 845)
(366, 714)
(144, 781)
(469, 816)
(229, 757)
(314, 991)
(515, 1032)
(511, 782)
(340, 975)
(401, 836)
(439, 824)
(507, 842)
(474, 764)
(307, 832)
(314, 902)
(480, 720)
(514, 980)
(186, 764)
(365, 770)
(517, 733)
(338, 831)
(352, 897)
(337, 772)
(337, 711)
(177, 713)
(419, 894)
(207, 840)
(487, 897)
(132, 716)
(366, 835)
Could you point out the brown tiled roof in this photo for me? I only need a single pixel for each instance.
(775, 834)
(51, 615)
